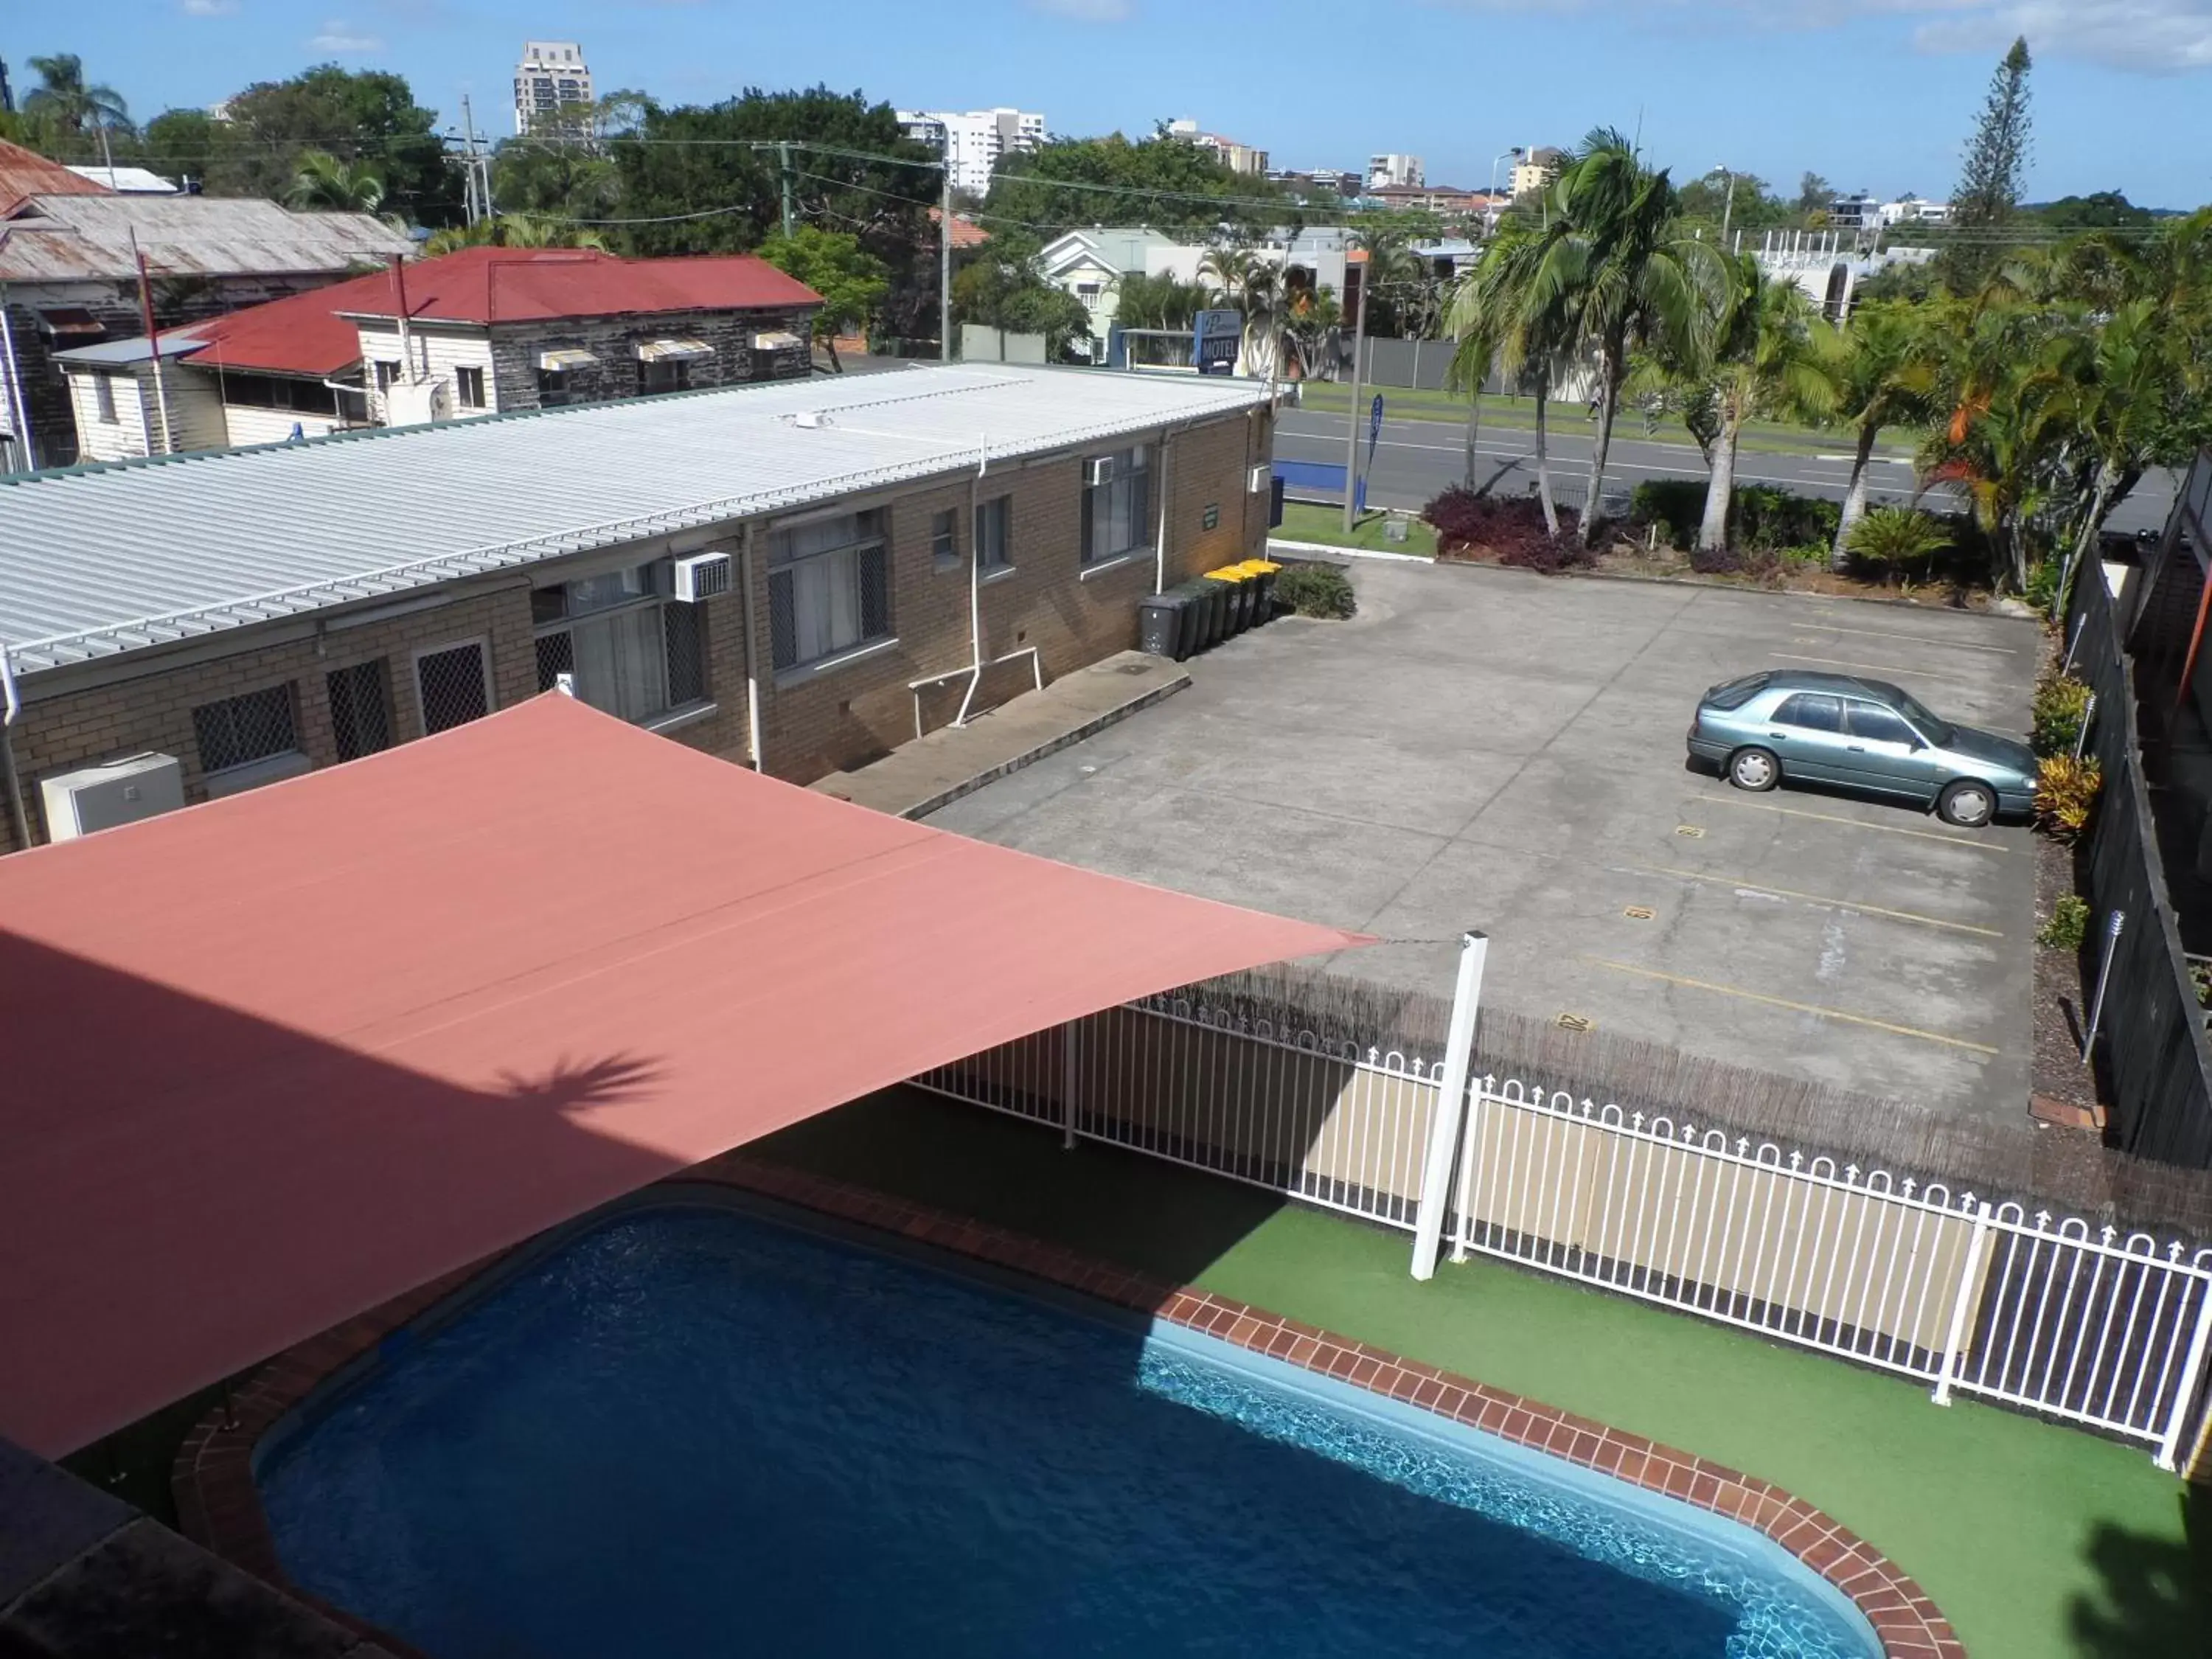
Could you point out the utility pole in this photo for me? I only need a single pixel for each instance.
(1359, 341)
(783, 165)
(479, 168)
(945, 254)
(1728, 208)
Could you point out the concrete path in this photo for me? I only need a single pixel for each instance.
(932, 771)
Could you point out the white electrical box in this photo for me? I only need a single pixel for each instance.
(418, 403)
(1102, 470)
(121, 792)
(1259, 480)
(702, 576)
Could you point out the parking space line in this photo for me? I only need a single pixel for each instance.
(1917, 639)
(1915, 672)
(1856, 823)
(1797, 1007)
(1813, 898)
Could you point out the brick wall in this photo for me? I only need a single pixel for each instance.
(613, 341)
(814, 722)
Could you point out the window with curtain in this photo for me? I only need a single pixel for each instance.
(1117, 514)
(631, 653)
(828, 587)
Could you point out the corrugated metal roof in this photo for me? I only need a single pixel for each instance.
(64, 239)
(109, 559)
(128, 351)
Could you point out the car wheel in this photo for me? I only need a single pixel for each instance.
(1753, 768)
(1970, 806)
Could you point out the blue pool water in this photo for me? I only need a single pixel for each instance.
(692, 1430)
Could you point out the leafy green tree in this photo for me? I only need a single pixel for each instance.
(564, 177)
(365, 115)
(1160, 301)
(1987, 199)
(2106, 210)
(1814, 193)
(1705, 203)
(69, 106)
(514, 230)
(178, 142)
(850, 281)
(1000, 288)
(1879, 366)
(321, 180)
(1068, 183)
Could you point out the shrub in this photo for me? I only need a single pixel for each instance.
(1666, 503)
(1808, 554)
(1512, 527)
(2062, 707)
(2069, 924)
(1763, 515)
(1895, 537)
(2065, 795)
(2042, 584)
(1316, 590)
(2200, 979)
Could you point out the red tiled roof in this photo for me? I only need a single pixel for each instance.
(25, 174)
(487, 285)
(311, 333)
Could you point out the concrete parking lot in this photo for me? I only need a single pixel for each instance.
(1486, 748)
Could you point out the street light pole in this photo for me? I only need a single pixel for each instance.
(1490, 208)
(1728, 208)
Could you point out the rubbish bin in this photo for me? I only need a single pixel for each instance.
(1211, 600)
(1243, 585)
(1263, 595)
(1159, 625)
(1197, 614)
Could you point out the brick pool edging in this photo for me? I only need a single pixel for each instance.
(219, 1505)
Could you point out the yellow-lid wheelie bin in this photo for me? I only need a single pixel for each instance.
(1242, 587)
(1263, 597)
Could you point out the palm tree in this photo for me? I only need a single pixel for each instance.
(1222, 271)
(1611, 264)
(324, 181)
(62, 99)
(2124, 389)
(1882, 375)
(1310, 316)
(1764, 360)
(515, 230)
(1503, 318)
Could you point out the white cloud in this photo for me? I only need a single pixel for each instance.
(338, 35)
(211, 8)
(1086, 11)
(2152, 37)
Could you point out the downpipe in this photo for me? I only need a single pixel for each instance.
(974, 583)
(11, 706)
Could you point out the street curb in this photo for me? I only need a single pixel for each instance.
(1096, 724)
(1349, 552)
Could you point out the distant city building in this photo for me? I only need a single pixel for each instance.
(1536, 168)
(1237, 158)
(552, 73)
(1385, 171)
(1859, 212)
(1317, 179)
(1915, 211)
(1448, 200)
(972, 141)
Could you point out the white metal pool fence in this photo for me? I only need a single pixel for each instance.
(2050, 1315)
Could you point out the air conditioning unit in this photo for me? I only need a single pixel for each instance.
(419, 402)
(1102, 470)
(702, 576)
(1259, 480)
(119, 791)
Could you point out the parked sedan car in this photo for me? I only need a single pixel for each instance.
(1868, 736)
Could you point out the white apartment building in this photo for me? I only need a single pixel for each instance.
(1394, 169)
(972, 141)
(552, 73)
(1915, 211)
(1237, 158)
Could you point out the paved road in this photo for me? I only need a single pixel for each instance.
(1417, 458)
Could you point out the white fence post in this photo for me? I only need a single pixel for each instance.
(1071, 1035)
(1968, 1277)
(1451, 1103)
(2185, 1395)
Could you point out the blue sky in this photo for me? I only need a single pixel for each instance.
(1879, 95)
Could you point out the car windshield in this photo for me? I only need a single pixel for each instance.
(1932, 727)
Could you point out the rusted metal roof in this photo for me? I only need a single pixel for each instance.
(65, 239)
(25, 173)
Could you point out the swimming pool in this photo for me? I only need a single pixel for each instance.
(693, 1429)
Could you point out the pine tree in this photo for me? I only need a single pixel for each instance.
(1997, 168)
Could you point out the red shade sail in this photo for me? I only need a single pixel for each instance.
(272, 1061)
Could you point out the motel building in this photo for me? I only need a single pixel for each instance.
(795, 577)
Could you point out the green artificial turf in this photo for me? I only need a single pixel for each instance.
(2038, 1541)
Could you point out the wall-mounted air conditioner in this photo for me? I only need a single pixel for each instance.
(119, 791)
(1262, 478)
(702, 576)
(1102, 470)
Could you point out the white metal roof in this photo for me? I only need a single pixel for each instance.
(106, 559)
